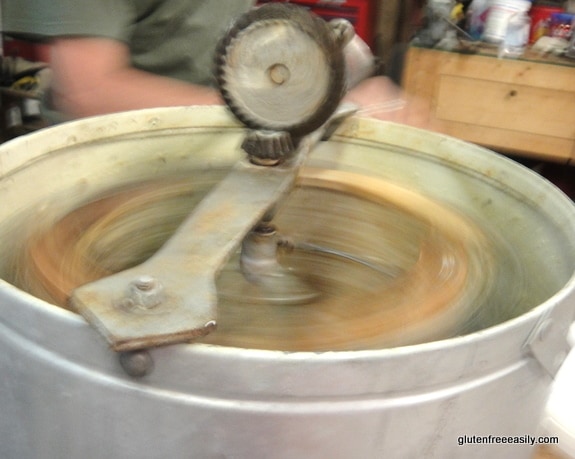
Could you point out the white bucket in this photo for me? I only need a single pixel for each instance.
(498, 16)
(64, 394)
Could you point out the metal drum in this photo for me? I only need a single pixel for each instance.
(480, 367)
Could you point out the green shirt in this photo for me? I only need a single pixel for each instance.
(174, 38)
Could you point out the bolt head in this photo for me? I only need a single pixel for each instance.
(145, 283)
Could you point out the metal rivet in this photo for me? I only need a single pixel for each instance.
(137, 363)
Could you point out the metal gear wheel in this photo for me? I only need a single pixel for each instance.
(281, 68)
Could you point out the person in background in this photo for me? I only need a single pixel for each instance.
(109, 56)
(114, 55)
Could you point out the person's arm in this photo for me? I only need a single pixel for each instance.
(379, 97)
(93, 76)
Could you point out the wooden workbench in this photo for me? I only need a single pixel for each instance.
(523, 106)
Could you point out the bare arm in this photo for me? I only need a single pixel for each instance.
(379, 97)
(93, 76)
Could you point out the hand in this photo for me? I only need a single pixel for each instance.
(378, 97)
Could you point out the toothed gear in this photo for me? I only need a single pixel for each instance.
(268, 147)
(281, 68)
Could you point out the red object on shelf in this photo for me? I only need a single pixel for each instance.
(31, 51)
(541, 21)
(361, 13)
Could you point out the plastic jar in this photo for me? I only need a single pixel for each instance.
(498, 16)
(516, 37)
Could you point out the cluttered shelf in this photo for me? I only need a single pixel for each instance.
(499, 73)
(22, 84)
(530, 54)
(523, 106)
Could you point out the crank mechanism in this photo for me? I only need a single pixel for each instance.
(282, 72)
